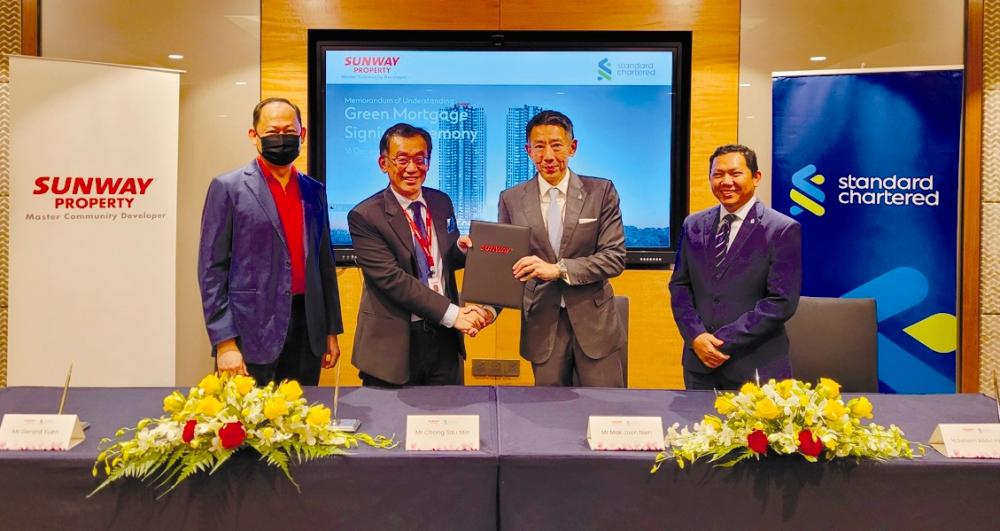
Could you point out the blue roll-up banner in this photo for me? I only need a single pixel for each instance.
(868, 163)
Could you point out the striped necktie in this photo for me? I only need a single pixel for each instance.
(722, 239)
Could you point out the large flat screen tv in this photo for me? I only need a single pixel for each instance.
(474, 91)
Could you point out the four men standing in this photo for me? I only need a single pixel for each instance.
(269, 286)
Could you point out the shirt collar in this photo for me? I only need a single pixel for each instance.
(562, 185)
(266, 172)
(405, 202)
(741, 214)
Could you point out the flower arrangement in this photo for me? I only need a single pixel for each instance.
(217, 418)
(786, 417)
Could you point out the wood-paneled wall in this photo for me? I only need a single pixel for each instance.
(654, 344)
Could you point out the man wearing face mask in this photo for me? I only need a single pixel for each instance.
(265, 267)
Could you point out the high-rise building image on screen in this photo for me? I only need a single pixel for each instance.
(519, 166)
(462, 161)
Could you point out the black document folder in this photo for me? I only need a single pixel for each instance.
(489, 277)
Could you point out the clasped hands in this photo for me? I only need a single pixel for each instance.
(472, 318)
(706, 347)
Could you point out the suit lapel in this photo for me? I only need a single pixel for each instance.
(394, 215)
(708, 225)
(747, 228)
(575, 196)
(307, 197)
(439, 217)
(533, 212)
(254, 180)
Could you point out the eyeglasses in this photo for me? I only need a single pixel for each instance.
(404, 161)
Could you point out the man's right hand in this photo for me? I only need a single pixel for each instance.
(471, 319)
(706, 347)
(228, 358)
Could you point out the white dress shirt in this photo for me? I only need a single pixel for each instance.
(741, 214)
(438, 273)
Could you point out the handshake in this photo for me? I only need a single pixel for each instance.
(472, 318)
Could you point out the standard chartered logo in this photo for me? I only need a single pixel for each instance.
(893, 190)
(806, 192)
(604, 70)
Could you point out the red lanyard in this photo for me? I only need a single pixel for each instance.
(425, 243)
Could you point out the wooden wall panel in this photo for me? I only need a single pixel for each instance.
(655, 345)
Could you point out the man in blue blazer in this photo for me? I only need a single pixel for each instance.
(265, 267)
(736, 280)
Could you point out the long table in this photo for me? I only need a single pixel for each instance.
(534, 471)
(375, 489)
(549, 479)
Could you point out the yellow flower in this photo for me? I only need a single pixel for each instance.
(244, 384)
(828, 387)
(833, 410)
(318, 416)
(767, 409)
(290, 390)
(174, 402)
(210, 384)
(712, 420)
(861, 408)
(209, 406)
(267, 433)
(749, 388)
(785, 388)
(724, 405)
(274, 408)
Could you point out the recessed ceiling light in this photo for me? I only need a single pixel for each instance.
(818, 58)
(175, 56)
(744, 84)
(223, 116)
(241, 83)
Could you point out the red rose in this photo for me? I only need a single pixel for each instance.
(809, 444)
(188, 433)
(757, 441)
(232, 435)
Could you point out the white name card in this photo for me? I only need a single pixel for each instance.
(975, 441)
(40, 432)
(455, 433)
(625, 433)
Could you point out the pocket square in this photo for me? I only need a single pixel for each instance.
(452, 226)
(584, 221)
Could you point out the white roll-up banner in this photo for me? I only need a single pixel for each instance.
(93, 223)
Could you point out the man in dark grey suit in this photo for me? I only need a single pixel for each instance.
(736, 281)
(568, 318)
(408, 246)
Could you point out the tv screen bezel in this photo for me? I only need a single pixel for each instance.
(321, 40)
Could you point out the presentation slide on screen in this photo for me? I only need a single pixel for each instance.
(476, 105)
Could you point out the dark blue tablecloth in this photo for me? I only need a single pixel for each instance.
(371, 489)
(549, 479)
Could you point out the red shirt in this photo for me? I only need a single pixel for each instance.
(289, 203)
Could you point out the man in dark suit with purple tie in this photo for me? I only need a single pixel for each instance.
(736, 280)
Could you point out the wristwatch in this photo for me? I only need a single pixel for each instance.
(563, 271)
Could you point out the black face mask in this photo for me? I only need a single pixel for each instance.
(280, 150)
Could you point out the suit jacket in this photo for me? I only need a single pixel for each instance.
(245, 272)
(747, 303)
(593, 248)
(383, 244)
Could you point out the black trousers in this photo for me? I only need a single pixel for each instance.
(434, 358)
(297, 360)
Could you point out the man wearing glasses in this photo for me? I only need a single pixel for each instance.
(408, 246)
(569, 324)
(265, 268)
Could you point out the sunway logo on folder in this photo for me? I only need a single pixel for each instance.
(495, 249)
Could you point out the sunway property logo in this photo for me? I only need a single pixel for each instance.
(604, 70)
(92, 192)
(371, 64)
(495, 249)
(806, 191)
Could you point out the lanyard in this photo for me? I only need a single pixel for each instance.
(425, 243)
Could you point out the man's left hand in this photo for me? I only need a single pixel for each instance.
(332, 352)
(535, 267)
(464, 243)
